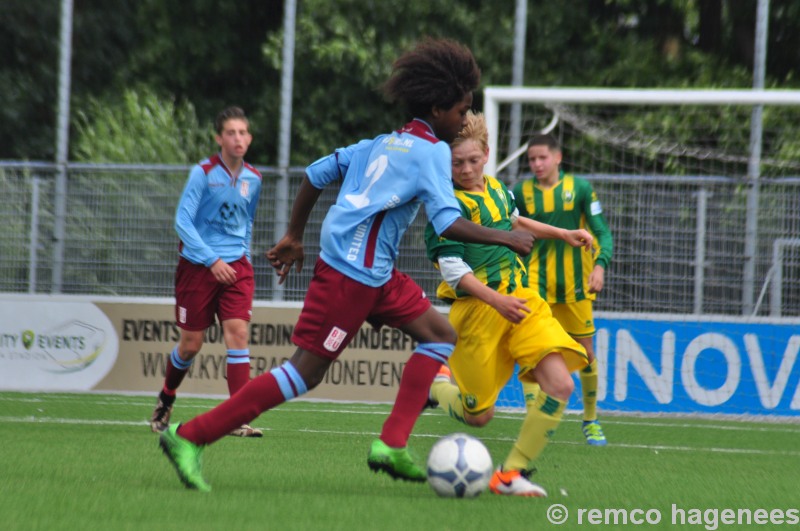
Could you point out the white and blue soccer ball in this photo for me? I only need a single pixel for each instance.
(459, 466)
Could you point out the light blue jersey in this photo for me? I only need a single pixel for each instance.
(384, 181)
(215, 213)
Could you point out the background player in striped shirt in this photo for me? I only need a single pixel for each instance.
(567, 279)
(499, 320)
(383, 183)
(214, 277)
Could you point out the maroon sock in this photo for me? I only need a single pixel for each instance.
(257, 396)
(414, 387)
(238, 376)
(174, 375)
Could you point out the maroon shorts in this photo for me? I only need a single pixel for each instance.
(198, 295)
(336, 306)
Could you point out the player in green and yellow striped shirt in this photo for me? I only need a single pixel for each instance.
(568, 279)
(499, 320)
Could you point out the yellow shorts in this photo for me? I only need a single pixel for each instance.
(489, 345)
(575, 317)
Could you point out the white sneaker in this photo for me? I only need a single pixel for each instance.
(515, 483)
(246, 431)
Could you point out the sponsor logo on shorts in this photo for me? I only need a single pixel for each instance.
(334, 339)
(181, 314)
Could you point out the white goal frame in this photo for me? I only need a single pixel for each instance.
(756, 98)
(495, 95)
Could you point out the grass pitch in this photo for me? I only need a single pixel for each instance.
(89, 461)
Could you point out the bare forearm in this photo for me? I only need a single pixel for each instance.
(304, 202)
(542, 231)
(463, 230)
(477, 289)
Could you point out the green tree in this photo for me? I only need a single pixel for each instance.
(213, 54)
(28, 77)
(102, 38)
(139, 127)
(209, 53)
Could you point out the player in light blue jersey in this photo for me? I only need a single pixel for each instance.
(383, 183)
(214, 221)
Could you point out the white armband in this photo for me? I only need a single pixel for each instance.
(453, 269)
(514, 215)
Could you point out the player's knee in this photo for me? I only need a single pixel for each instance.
(190, 344)
(310, 367)
(448, 335)
(236, 333)
(561, 389)
(479, 421)
(312, 378)
(187, 352)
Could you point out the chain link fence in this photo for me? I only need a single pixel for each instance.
(679, 242)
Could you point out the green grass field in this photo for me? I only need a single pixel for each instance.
(89, 461)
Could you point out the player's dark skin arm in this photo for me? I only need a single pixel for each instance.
(463, 230)
(289, 250)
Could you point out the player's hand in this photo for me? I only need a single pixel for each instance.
(579, 238)
(223, 273)
(597, 279)
(520, 241)
(286, 253)
(511, 308)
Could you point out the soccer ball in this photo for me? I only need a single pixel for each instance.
(459, 466)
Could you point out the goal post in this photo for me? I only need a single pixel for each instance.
(701, 191)
(683, 150)
(494, 96)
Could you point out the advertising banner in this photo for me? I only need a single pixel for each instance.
(650, 364)
(663, 364)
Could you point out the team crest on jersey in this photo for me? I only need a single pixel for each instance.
(568, 196)
(471, 401)
(245, 189)
(334, 339)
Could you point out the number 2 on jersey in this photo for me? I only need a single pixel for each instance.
(374, 171)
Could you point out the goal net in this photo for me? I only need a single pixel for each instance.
(701, 190)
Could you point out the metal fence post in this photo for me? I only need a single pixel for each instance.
(62, 143)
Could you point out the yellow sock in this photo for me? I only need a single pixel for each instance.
(540, 423)
(589, 388)
(529, 392)
(449, 398)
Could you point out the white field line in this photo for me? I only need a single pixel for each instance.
(648, 447)
(382, 409)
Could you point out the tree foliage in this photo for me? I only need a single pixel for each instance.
(204, 55)
(140, 127)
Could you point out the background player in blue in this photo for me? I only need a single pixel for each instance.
(214, 277)
(383, 182)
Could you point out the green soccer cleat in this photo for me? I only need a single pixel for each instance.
(185, 457)
(593, 433)
(397, 462)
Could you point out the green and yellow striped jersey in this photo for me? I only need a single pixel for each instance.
(495, 265)
(561, 271)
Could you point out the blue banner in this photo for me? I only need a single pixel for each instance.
(677, 366)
